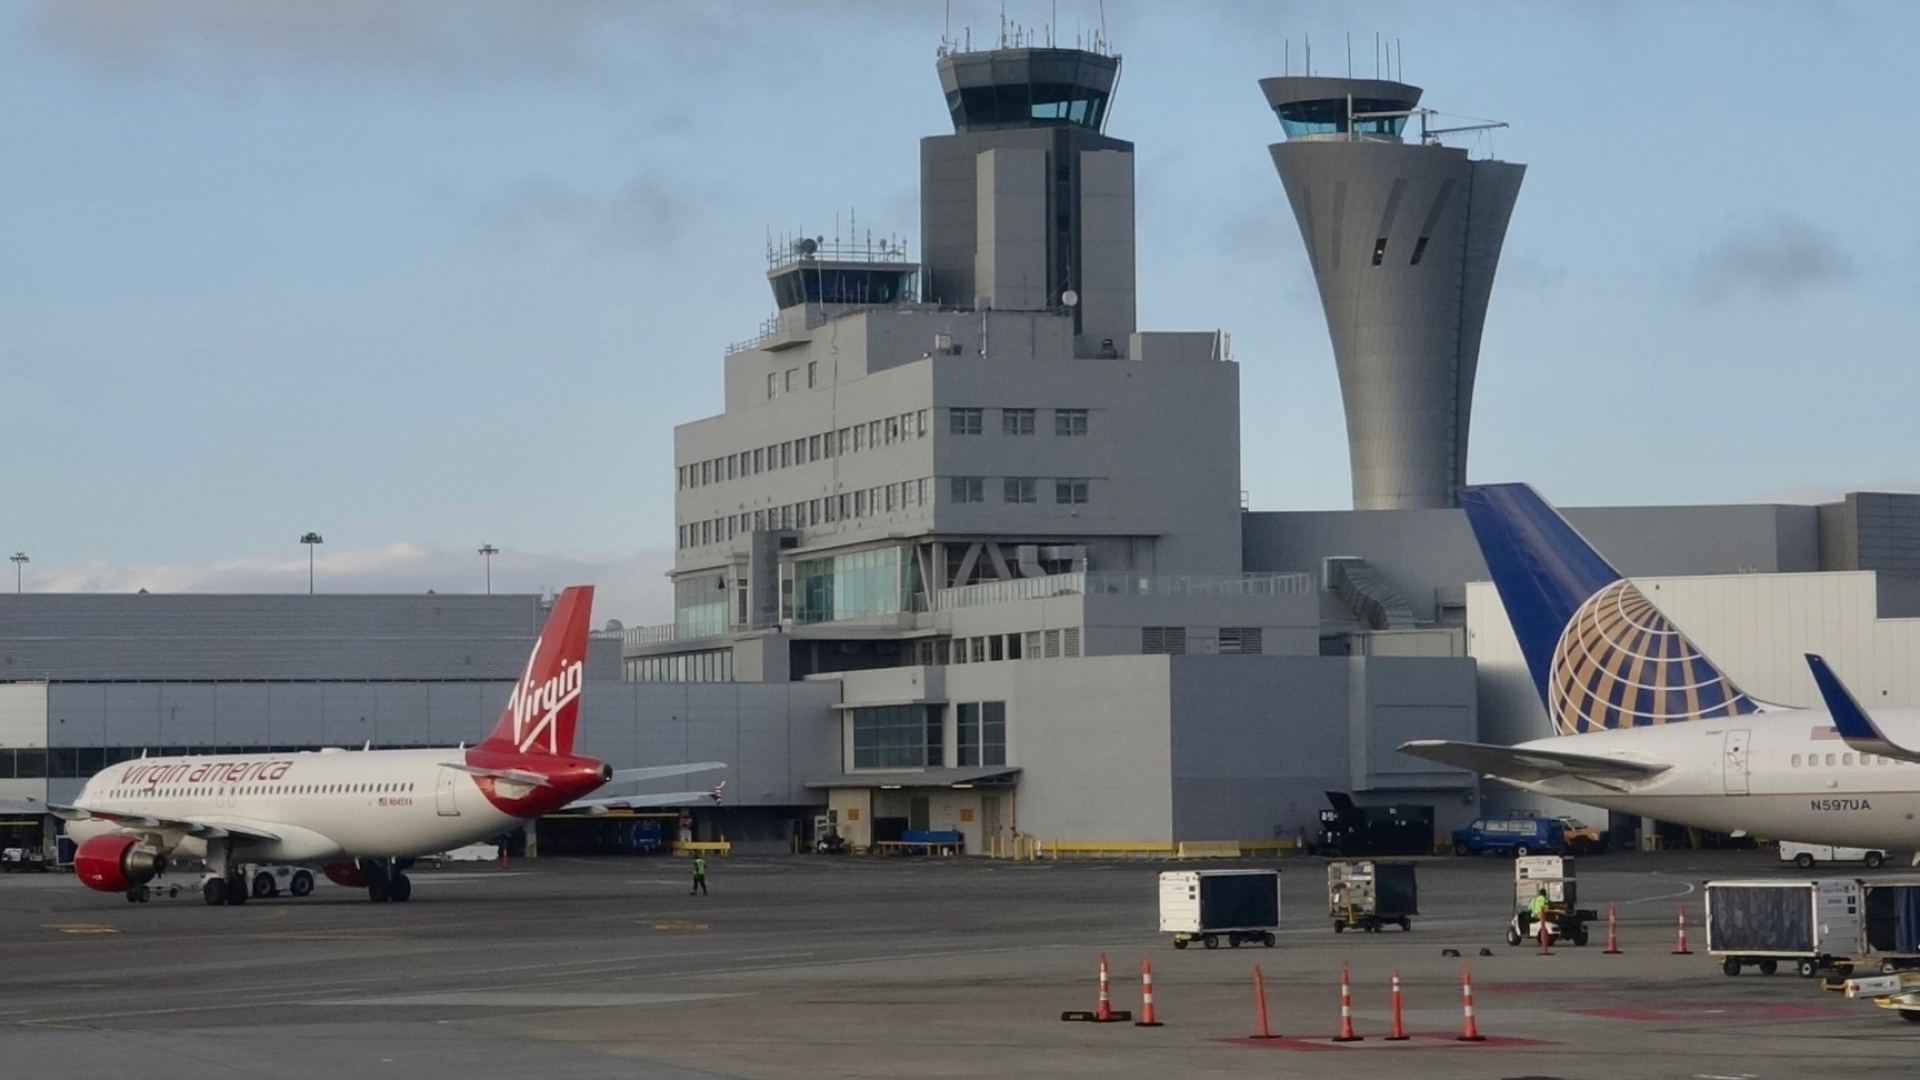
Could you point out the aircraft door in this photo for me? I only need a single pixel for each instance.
(1734, 763)
(443, 793)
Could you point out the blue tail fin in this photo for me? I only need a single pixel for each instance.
(1601, 655)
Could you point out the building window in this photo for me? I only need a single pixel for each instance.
(1013, 646)
(965, 421)
(826, 443)
(1070, 641)
(993, 733)
(920, 423)
(813, 448)
(969, 489)
(1052, 649)
(896, 737)
(1379, 250)
(1016, 421)
(1164, 640)
(683, 477)
(1240, 640)
(786, 455)
(893, 430)
(813, 369)
(1070, 490)
(1022, 489)
(772, 382)
(759, 461)
(1069, 421)
(966, 735)
(791, 372)
(859, 437)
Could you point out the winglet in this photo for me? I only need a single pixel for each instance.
(1849, 719)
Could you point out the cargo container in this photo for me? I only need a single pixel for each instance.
(1892, 907)
(1367, 895)
(1241, 906)
(1816, 925)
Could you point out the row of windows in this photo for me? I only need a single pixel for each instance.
(1067, 490)
(805, 450)
(711, 665)
(789, 380)
(1066, 422)
(914, 736)
(1027, 645)
(79, 762)
(847, 506)
(204, 791)
(1172, 640)
(1844, 761)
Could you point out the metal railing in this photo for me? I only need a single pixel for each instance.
(649, 635)
(1122, 583)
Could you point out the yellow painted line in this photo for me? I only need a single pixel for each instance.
(679, 924)
(83, 928)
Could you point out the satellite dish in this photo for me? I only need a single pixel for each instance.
(1070, 298)
(807, 245)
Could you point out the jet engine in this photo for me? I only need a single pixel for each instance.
(116, 862)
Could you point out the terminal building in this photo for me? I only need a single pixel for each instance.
(965, 549)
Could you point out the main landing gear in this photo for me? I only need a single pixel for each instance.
(230, 888)
(386, 880)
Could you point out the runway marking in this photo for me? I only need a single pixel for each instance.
(522, 999)
(83, 928)
(323, 935)
(678, 924)
(1657, 1014)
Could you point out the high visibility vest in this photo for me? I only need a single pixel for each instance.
(700, 865)
(1539, 905)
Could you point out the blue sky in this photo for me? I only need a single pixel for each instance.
(426, 275)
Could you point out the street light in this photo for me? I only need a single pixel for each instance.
(17, 559)
(310, 540)
(488, 551)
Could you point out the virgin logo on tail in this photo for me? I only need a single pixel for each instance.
(548, 699)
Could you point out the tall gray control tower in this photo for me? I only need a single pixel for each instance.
(1404, 238)
(1028, 205)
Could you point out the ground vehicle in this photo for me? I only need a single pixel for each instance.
(24, 860)
(1565, 919)
(1517, 836)
(273, 880)
(1805, 856)
(1242, 906)
(1582, 838)
(1815, 925)
(1368, 895)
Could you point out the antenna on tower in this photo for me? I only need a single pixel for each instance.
(1376, 54)
(1349, 54)
(1399, 61)
(1309, 41)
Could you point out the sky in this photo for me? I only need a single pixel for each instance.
(427, 275)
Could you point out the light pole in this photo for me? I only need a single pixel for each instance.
(488, 551)
(18, 558)
(310, 540)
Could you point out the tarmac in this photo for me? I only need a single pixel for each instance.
(815, 966)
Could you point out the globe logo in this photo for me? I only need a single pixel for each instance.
(1620, 663)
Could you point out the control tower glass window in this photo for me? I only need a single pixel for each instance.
(814, 284)
(1329, 116)
(1027, 103)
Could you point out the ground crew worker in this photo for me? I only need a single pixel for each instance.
(700, 875)
(1537, 911)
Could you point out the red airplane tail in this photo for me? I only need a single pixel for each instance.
(544, 707)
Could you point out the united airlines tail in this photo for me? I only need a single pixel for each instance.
(1601, 655)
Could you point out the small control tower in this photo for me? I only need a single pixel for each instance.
(1028, 205)
(1403, 238)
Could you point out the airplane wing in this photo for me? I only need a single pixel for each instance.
(1850, 719)
(205, 827)
(633, 802)
(622, 776)
(1530, 765)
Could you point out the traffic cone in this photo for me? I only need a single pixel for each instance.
(1469, 1031)
(1260, 1004)
(1399, 1030)
(1545, 933)
(1146, 994)
(1680, 945)
(1346, 1009)
(1613, 941)
(1103, 1012)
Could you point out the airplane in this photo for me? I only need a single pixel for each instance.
(1648, 725)
(363, 817)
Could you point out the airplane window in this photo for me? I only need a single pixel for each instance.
(1846, 759)
(1796, 761)
(1829, 761)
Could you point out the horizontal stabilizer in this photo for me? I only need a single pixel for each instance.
(605, 803)
(1850, 719)
(517, 776)
(1527, 765)
(655, 772)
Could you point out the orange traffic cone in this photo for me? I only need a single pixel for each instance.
(1103, 1012)
(1260, 1004)
(1146, 994)
(1680, 945)
(1613, 941)
(1346, 1009)
(1469, 1031)
(1399, 1030)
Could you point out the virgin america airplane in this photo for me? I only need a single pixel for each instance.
(363, 816)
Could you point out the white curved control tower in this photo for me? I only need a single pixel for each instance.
(1404, 237)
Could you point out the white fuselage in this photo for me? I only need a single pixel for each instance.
(1776, 775)
(321, 805)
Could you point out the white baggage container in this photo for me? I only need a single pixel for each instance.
(1241, 906)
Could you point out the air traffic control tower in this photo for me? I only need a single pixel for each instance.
(1404, 237)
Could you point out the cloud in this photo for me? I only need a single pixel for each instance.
(641, 215)
(630, 587)
(1778, 255)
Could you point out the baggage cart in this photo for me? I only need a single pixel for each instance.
(1366, 895)
(1891, 908)
(1239, 906)
(1815, 925)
